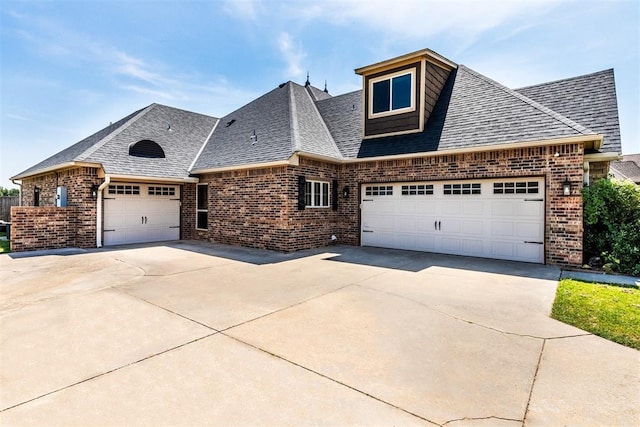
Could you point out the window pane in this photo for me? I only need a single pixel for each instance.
(381, 95)
(203, 191)
(401, 92)
(201, 220)
(325, 194)
(307, 193)
(316, 194)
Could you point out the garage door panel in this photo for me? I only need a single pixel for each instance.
(151, 214)
(472, 227)
(503, 208)
(530, 209)
(502, 228)
(527, 251)
(486, 223)
(530, 231)
(472, 246)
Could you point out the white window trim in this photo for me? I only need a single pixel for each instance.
(312, 194)
(202, 210)
(408, 109)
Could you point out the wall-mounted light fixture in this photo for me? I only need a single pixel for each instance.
(566, 187)
(345, 192)
(94, 191)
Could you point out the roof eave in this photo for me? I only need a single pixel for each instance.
(291, 161)
(602, 157)
(143, 178)
(428, 54)
(588, 140)
(54, 168)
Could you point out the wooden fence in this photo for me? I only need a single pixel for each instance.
(5, 206)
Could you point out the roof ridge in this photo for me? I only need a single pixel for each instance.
(293, 124)
(566, 79)
(204, 144)
(89, 151)
(557, 116)
(324, 125)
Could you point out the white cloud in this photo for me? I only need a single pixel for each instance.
(293, 54)
(463, 21)
(244, 9)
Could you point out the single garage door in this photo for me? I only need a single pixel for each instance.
(137, 213)
(502, 218)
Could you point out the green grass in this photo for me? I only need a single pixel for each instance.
(611, 312)
(4, 244)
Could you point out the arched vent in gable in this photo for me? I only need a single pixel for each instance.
(146, 148)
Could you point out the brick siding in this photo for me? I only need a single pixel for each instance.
(80, 213)
(37, 228)
(258, 208)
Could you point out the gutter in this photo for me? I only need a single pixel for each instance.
(57, 167)
(107, 180)
(20, 191)
(150, 179)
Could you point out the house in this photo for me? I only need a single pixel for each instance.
(627, 168)
(429, 155)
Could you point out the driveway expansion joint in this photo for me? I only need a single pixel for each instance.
(171, 311)
(93, 377)
(277, 356)
(492, 417)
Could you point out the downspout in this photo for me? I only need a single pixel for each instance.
(107, 180)
(20, 191)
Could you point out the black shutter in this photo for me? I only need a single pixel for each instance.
(334, 195)
(302, 186)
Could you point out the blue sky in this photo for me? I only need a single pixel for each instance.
(68, 68)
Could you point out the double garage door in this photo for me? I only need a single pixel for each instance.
(137, 213)
(501, 218)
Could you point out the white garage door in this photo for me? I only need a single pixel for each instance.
(137, 213)
(501, 219)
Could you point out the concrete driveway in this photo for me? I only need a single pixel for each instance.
(192, 334)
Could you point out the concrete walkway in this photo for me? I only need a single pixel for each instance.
(193, 334)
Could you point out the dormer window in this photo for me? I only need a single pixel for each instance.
(392, 94)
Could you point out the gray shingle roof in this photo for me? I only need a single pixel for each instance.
(589, 99)
(342, 114)
(284, 120)
(74, 152)
(472, 111)
(627, 168)
(110, 146)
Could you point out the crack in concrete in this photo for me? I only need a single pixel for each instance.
(303, 301)
(108, 372)
(330, 378)
(428, 307)
(533, 383)
(491, 417)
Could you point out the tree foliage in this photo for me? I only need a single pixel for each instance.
(612, 224)
(9, 191)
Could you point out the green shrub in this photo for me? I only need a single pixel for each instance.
(612, 224)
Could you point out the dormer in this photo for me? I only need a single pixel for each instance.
(400, 93)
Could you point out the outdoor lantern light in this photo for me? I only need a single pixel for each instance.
(566, 187)
(345, 192)
(94, 192)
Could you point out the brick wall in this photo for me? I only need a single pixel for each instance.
(563, 228)
(598, 170)
(37, 228)
(258, 208)
(83, 215)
